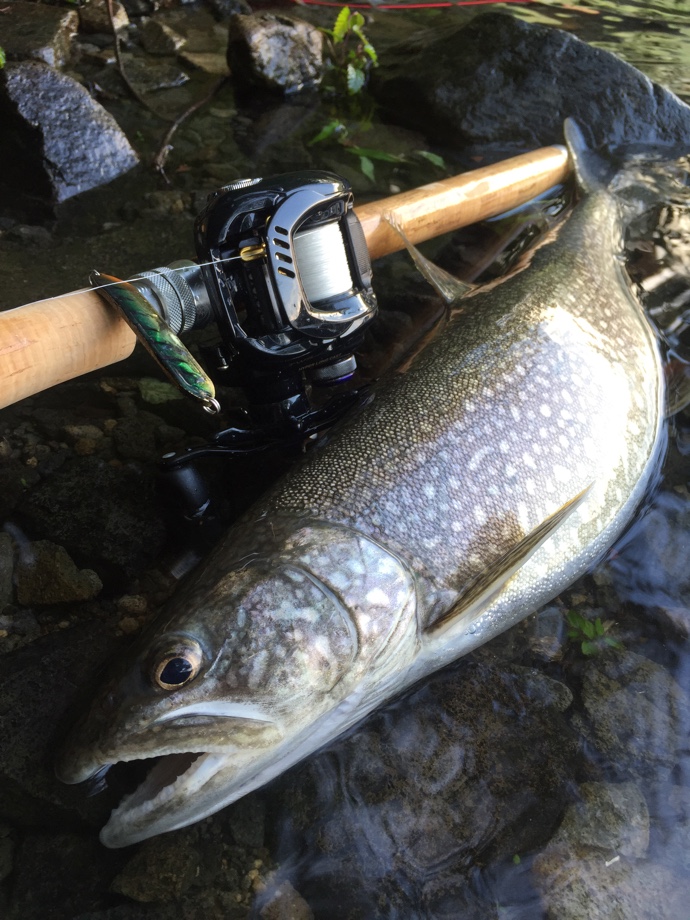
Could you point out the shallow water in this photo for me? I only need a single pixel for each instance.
(531, 780)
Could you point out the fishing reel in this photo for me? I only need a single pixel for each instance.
(284, 271)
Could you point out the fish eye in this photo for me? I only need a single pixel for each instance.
(177, 666)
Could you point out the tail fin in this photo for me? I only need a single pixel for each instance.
(592, 172)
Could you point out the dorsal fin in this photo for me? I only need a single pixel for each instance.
(445, 284)
(592, 172)
(482, 589)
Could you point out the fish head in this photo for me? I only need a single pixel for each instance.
(225, 689)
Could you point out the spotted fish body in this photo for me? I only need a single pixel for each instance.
(474, 488)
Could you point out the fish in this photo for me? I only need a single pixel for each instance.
(474, 488)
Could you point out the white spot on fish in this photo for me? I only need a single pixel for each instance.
(480, 516)
(545, 410)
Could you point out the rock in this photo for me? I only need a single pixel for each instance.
(35, 30)
(159, 38)
(650, 566)
(57, 140)
(84, 499)
(161, 870)
(93, 17)
(637, 715)
(6, 570)
(150, 76)
(39, 684)
(207, 61)
(597, 889)
(505, 82)
(6, 851)
(609, 817)
(275, 51)
(472, 767)
(46, 575)
(286, 904)
(226, 9)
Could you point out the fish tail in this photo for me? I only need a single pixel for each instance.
(593, 173)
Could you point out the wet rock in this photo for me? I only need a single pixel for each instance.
(275, 51)
(159, 38)
(59, 876)
(40, 685)
(650, 566)
(637, 715)
(504, 82)
(42, 155)
(226, 9)
(597, 889)
(473, 766)
(6, 570)
(36, 30)
(207, 61)
(94, 18)
(161, 870)
(150, 76)
(46, 575)
(84, 498)
(6, 851)
(609, 817)
(286, 904)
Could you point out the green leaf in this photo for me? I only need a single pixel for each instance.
(612, 643)
(589, 629)
(589, 648)
(332, 127)
(431, 157)
(367, 167)
(375, 154)
(2, 57)
(367, 47)
(341, 25)
(355, 79)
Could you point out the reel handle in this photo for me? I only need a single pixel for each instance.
(50, 341)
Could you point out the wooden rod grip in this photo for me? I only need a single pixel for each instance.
(449, 204)
(51, 341)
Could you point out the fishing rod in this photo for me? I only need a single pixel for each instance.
(284, 271)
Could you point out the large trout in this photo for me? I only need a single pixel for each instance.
(473, 489)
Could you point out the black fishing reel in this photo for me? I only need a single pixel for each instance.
(284, 271)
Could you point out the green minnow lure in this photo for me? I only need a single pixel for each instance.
(157, 337)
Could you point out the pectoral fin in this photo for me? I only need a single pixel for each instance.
(477, 595)
(445, 284)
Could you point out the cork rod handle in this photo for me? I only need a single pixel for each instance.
(51, 341)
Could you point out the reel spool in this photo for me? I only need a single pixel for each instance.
(288, 274)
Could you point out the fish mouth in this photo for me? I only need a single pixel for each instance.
(180, 786)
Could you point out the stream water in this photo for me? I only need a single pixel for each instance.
(546, 776)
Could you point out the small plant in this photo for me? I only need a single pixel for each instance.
(2, 58)
(351, 54)
(591, 634)
(336, 130)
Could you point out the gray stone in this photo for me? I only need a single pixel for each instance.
(6, 851)
(275, 51)
(93, 17)
(45, 574)
(637, 714)
(159, 38)
(609, 817)
(594, 888)
(36, 30)
(161, 870)
(6, 570)
(286, 904)
(504, 82)
(57, 140)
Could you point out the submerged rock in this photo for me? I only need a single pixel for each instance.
(275, 51)
(57, 140)
(46, 575)
(36, 30)
(504, 82)
(472, 767)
